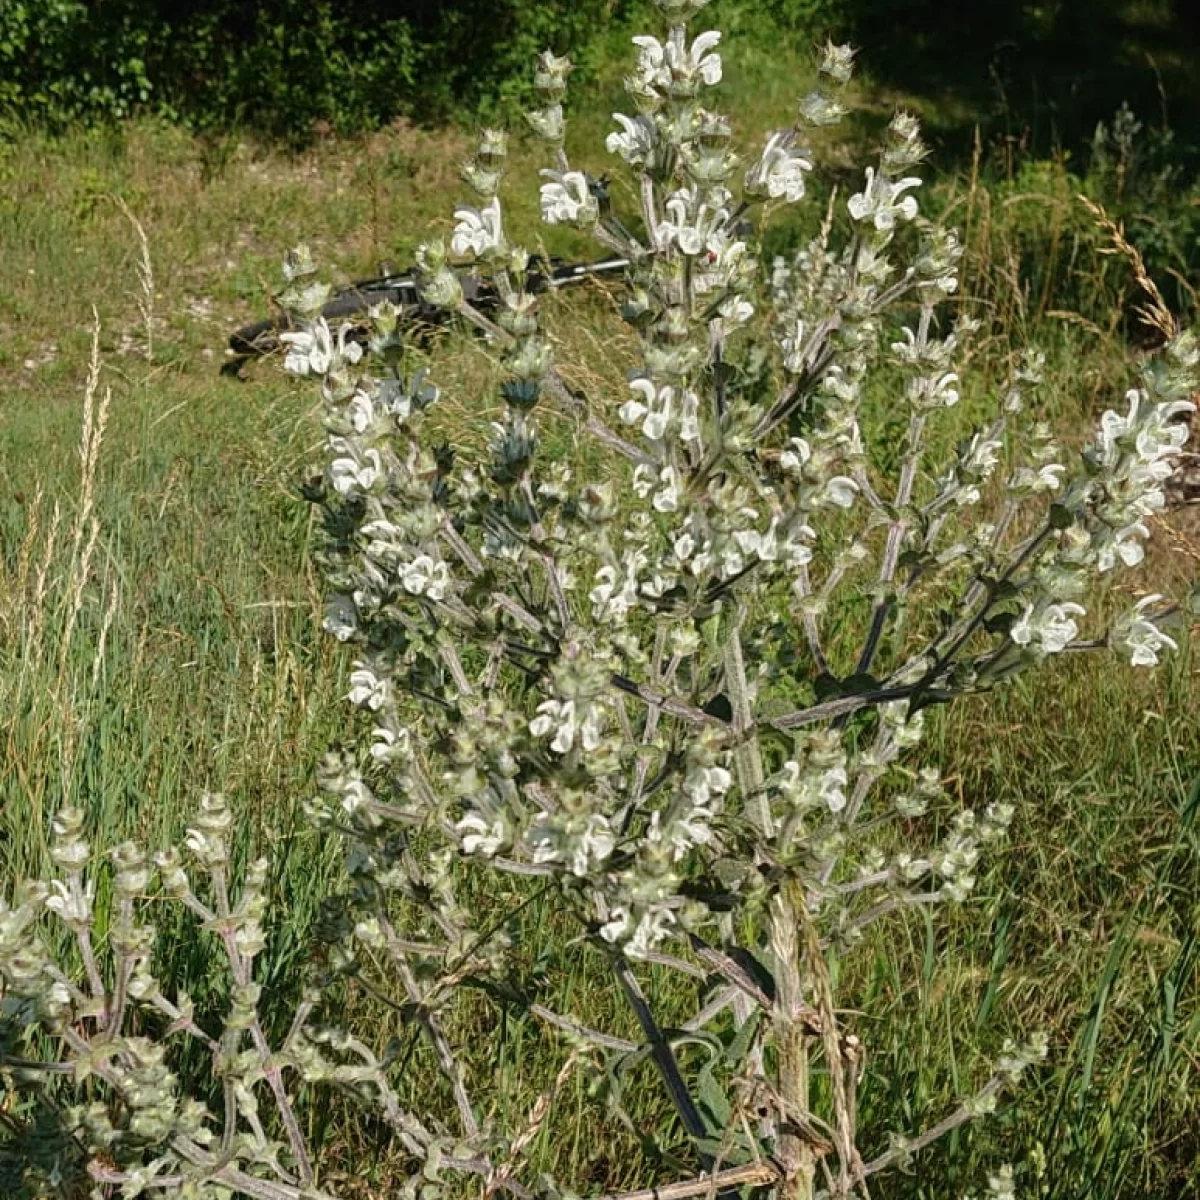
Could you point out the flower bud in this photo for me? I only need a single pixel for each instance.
(442, 289)
(550, 77)
(69, 850)
(547, 123)
(298, 264)
(837, 62)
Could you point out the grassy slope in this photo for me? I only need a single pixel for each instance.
(212, 672)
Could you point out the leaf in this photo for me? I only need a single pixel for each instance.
(1061, 517)
(1000, 622)
(1192, 604)
(713, 1104)
(722, 1150)
(739, 1045)
(859, 684)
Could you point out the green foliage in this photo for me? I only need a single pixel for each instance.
(1041, 251)
(59, 60)
(281, 66)
(284, 65)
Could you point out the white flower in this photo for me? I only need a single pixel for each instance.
(680, 226)
(638, 936)
(562, 718)
(643, 480)
(1113, 426)
(635, 141)
(308, 351)
(366, 688)
(425, 577)
(734, 311)
(616, 589)
(632, 411)
(581, 845)
(478, 231)
(833, 788)
(807, 787)
(840, 491)
(388, 745)
(724, 259)
(651, 60)
(943, 391)
(360, 411)
(1045, 479)
(660, 66)
(794, 456)
(1051, 628)
(796, 550)
(566, 198)
(1140, 637)
(355, 794)
(74, 906)
(653, 409)
(698, 228)
(312, 351)
(699, 59)
(883, 201)
(1124, 544)
(1149, 432)
(1164, 433)
(680, 832)
(780, 169)
(762, 545)
(981, 457)
(666, 499)
(354, 471)
(479, 836)
(207, 847)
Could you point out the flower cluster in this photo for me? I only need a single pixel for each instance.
(117, 1025)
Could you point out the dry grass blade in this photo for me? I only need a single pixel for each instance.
(145, 271)
(537, 1118)
(1154, 312)
(86, 528)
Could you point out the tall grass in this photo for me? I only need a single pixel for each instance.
(159, 634)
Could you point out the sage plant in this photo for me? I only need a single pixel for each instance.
(635, 682)
(682, 692)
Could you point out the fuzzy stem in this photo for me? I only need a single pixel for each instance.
(791, 1043)
(752, 1175)
(748, 755)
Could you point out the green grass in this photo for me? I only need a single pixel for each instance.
(195, 660)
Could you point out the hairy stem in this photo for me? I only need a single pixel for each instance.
(791, 1042)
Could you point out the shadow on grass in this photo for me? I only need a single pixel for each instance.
(1043, 74)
